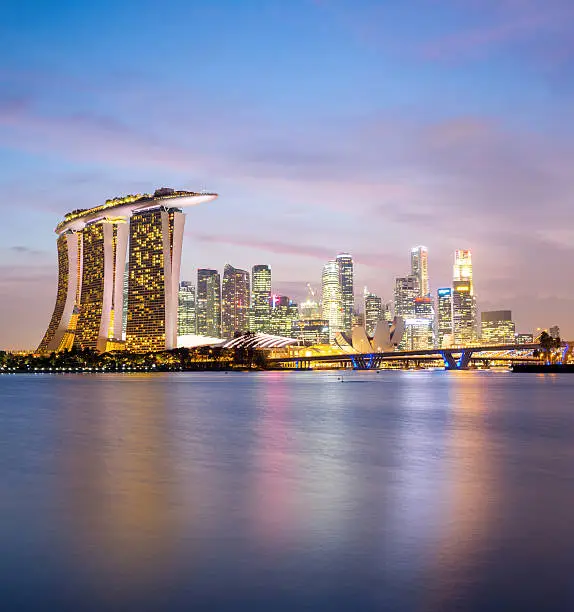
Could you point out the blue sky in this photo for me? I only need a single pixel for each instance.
(326, 126)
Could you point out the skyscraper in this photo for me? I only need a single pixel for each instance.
(444, 322)
(186, 315)
(283, 315)
(332, 298)
(208, 303)
(420, 328)
(156, 237)
(259, 320)
(92, 246)
(463, 323)
(419, 268)
(497, 327)
(373, 311)
(406, 290)
(234, 301)
(463, 299)
(345, 263)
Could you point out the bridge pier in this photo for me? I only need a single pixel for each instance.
(451, 363)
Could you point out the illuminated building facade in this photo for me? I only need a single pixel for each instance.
(186, 320)
(260, 319)
(311, 331)
(497, 327)
(92, 249)
(156, 238)
(444, 318)
(283, 315)
(463, 318)
(524, 338)
(419, 329)
(332, 298)
(373, 311)
(234, 301)
(208, 303)
(464, 321)
(345, 264)
(419, 269)
(406, 290)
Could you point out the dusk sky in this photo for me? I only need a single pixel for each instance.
(325, 126)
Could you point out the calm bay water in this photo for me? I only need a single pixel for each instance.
(287, 491)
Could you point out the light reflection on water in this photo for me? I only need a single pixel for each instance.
(408, 490)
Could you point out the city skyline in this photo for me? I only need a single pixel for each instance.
(345, 141)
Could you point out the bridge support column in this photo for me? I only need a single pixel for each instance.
(450, 363)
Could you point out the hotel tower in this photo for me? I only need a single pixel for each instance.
(92, 251)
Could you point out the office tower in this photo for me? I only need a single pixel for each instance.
(332, 298)
(387, 311)
(406, 290)
(208, 303)
(92, 246)
(156, 237)
(373, 311)
(186, 315)
(419, 268)
(463, 324)
(283, 315)
(497, 327)
(69, 287)
(444, 319)
(260, 319)
(419, 329)
(311, 331)
(345, 263)
(234, 301)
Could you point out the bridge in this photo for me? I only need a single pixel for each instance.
(456, 358)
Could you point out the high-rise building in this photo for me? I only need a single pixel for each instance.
(260, 319)
(283, 315)
(406, 290)
(311, 331)
(419, 329)
(310, 308)
(156, 238)
(92, 247)
(419, 268)
(345, 263)
(444, 319)
(497, 327)
(463, 323)
(332, 298)
(464, 299)
(524, 338)
(373, 311)
(186, 315)
(208, 303)
(234, 301)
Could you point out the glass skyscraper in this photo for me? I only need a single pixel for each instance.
(419, 268)
(345, 263)
(332, 298)
(260, 319)
(208, 303)
(444, 319)
(186, 316)
(235, 292)
(463, 299)
(373, 311)
(497, 327)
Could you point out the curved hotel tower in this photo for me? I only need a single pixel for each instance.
(92, 253)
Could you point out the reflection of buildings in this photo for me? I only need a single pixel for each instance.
(92, 249)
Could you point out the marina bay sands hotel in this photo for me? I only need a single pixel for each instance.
(92, 252)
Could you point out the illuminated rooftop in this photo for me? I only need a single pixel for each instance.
(124, 207)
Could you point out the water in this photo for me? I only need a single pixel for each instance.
(287, 491)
